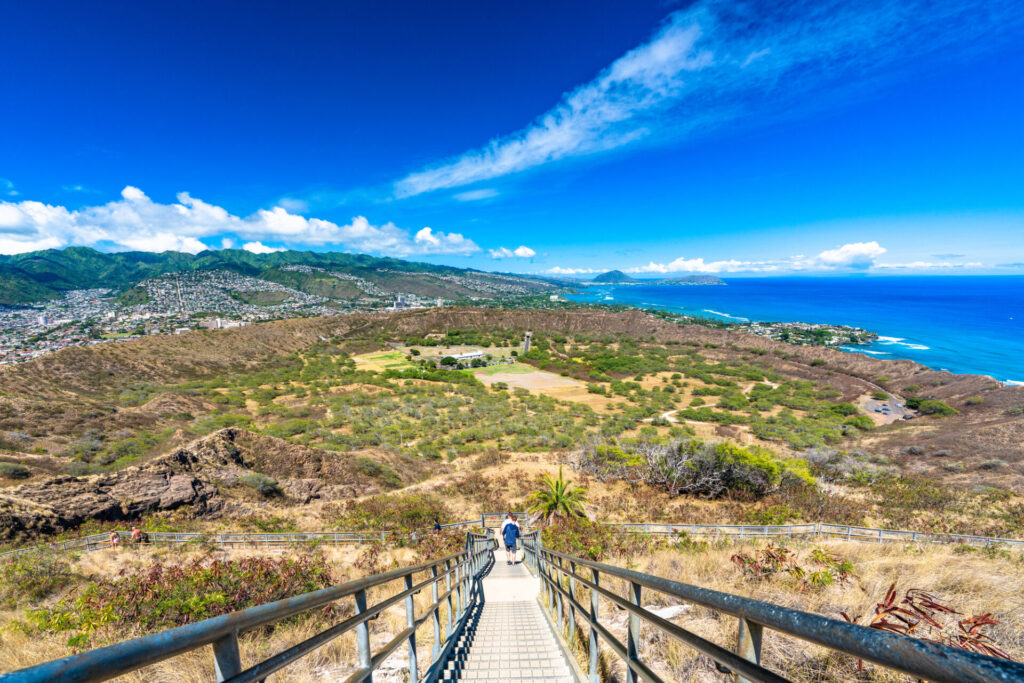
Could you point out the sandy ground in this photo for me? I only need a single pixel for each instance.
(533, 380)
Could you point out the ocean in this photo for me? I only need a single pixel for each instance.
(964, 324)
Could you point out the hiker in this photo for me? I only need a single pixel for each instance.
(509, 533)
(115, 539)
(137, 535)
(508, 520)
(437, 526)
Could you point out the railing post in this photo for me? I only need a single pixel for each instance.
(410, 622)
(748, 644)
(363, 637)
(448, 589)
(633, 634)
(572, 592)
(594, 677)
(558, 593)
(226, 660)
(436, 650)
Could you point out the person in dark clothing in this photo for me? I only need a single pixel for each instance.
(509, 534)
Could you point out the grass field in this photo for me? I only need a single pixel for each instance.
(516, 369)
(383, 360)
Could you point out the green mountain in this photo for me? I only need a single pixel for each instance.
(613, 277)
(39, 275)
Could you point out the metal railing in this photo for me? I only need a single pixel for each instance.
(562, 581)
(816, 529)
(491, 519)
(459, 573)
(229, 540)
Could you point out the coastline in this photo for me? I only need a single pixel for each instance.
(963, 325)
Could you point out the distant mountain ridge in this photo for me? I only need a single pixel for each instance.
(40, 275)
(617, 277)
(613, 276)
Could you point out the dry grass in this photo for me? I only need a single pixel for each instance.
(972, 584)
(332, 661)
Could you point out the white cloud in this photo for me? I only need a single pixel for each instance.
(698, 265)
(519, 252)
(853, 256)
(260, 248)
(857, 255)
(559, 270)
(227, 243)
(7, 188)
(717, 63)
(476, 195)
(137, 222)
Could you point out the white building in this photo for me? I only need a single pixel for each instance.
(469, 355)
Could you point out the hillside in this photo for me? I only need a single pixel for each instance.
(358, 385)
(613, 277)
(34, 276)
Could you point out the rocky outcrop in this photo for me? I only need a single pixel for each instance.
(189, 478)
(65, 502)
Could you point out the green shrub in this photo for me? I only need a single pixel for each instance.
(403, 513)
(260, 483)
(33, 576)
(583, 538)
(378, 470)
(818, 362)
(880, 396)
(928, 406)
(13, 470)
(692, 466)
(162, 596)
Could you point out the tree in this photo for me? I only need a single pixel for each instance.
(558, 498)
(448, 360)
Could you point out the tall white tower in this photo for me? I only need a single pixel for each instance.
(526, 341)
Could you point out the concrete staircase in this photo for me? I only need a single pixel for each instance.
(508, 639)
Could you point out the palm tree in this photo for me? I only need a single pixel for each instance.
(558, 498)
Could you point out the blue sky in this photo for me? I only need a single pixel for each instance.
(658, 138)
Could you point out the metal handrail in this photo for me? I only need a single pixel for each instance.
(560, 578)
(461, 573)
(816, 529)
(101, 541)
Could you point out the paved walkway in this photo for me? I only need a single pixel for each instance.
(509, 639)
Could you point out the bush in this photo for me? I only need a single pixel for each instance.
(880, 396)
(260, 483)
(691, 466)
(402, 513)
(583, 538)
(928, 406)
(378, 470)
(33, 576)
(13, 470)
(163, 596)
(818, 362)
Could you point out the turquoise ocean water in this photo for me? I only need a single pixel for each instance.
(964, 324)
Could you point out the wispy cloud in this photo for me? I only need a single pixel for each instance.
(137, 222)
(476, 195)
(927, 265)
(7, 188)
(559, 270)
(856, 256)
(717, 63)
(519, 252)
(82, 189)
